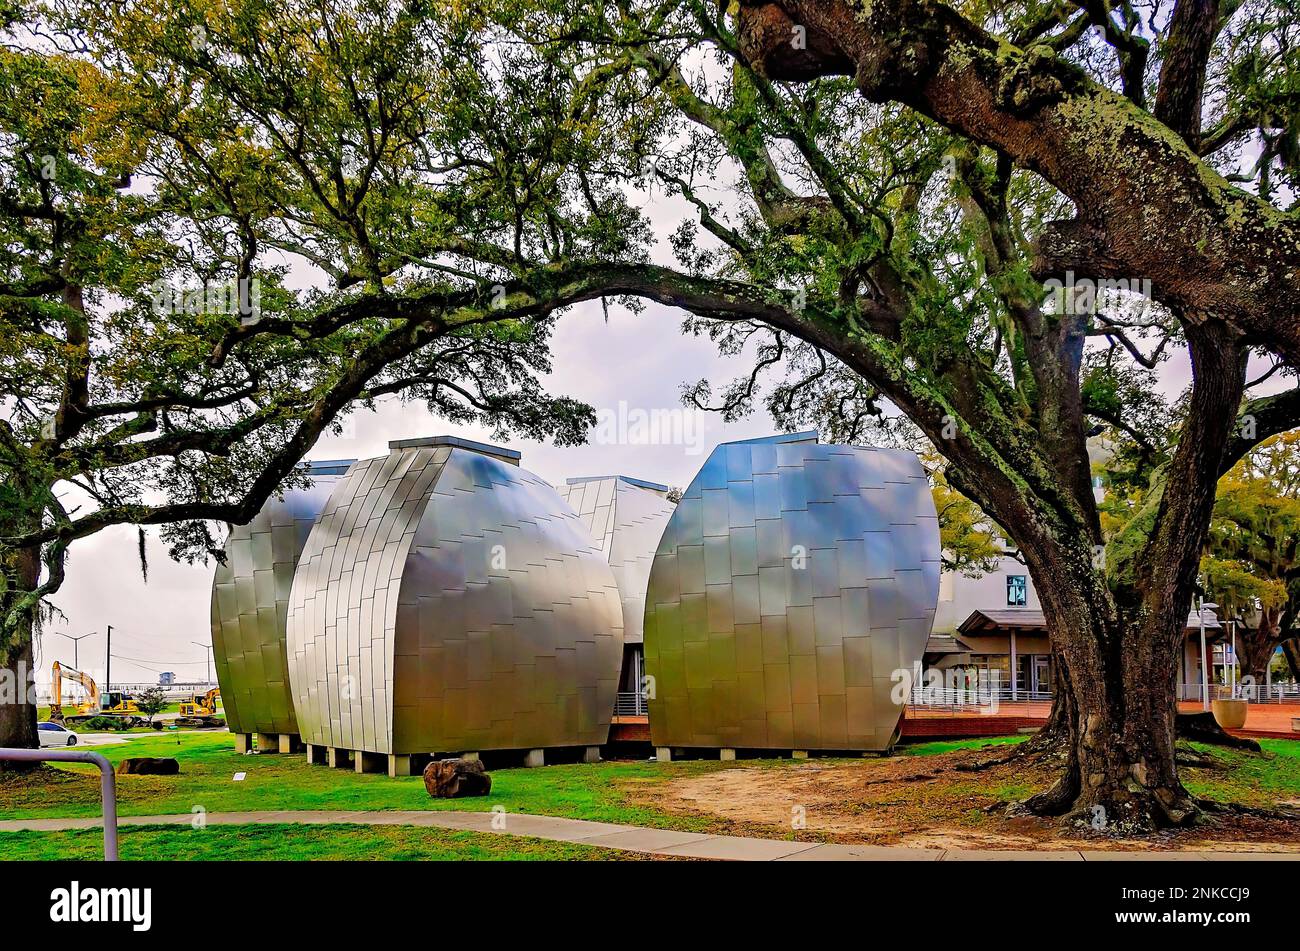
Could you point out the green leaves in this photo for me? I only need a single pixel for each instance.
(253, 218)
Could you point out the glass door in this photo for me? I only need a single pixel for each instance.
(1041, 675)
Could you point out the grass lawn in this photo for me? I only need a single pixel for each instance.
(273, 782)
(947, 746)
(1247, 778)
(296, 842)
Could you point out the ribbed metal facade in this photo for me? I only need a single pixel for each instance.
(626, 518)
(250, 605)
(448, 601)
(791, 583)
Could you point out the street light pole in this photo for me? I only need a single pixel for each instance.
(208, 648)
(76, 642)
(108, 661)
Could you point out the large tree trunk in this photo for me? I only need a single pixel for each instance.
(1119, 701)
(17, 655)
(18, 709)
(1291, 650)
(1119, 632)
(1255, 647)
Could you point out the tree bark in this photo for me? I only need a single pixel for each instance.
(1118, 703)
(1255, 646)
(1291, 650)
(17, 675)
(1148, 206)
(1255, 650)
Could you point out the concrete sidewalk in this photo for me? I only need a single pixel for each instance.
(635, 839)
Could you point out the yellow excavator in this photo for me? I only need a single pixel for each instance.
(114, 703)
(87, 706)
(200, 711)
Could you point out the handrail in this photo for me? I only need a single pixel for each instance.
(107, 784)
(631, 703)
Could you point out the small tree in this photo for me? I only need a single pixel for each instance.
(151, 702)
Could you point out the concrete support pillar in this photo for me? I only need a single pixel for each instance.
(268, 742)
(727, 753)
(469, 757)
(336, 757)
(315, 755)
(663, 754)
(399, 764)
(288, 743)
(799, 754)
(591, 754)
(242, 743)
(535, 758)
(364, 762)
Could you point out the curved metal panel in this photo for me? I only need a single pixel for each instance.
(791, 583)
(626, 517)
(250, 604)
(449, 601)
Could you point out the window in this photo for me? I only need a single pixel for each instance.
(49, 728)
(1017, 591)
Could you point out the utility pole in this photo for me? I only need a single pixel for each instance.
(208, 648)
(108, 661)
(76, 662)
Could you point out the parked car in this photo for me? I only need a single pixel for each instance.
(55, 734)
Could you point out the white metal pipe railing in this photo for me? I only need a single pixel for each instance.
(107, 784)
(631, 703)
(1252, 693)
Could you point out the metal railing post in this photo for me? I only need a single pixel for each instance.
(107, 784)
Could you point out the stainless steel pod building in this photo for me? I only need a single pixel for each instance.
(793, 580)
(626, 517)
(250, 605)
(449, 601)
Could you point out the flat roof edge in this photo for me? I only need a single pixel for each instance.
(318, 465)
(457, 442)
(810, 435)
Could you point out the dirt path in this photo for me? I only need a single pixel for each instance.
(922, 802)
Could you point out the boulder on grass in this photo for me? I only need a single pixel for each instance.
(149, 766)
(454, 778)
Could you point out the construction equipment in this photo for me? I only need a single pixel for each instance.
(114, 703)
(200, 711)
(89, 706)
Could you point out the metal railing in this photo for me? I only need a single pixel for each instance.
(968, 697)
(107, 784)
(631, 703)
(1257, 693)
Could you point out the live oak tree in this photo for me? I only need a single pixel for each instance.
(992, 217)
(220, 230)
